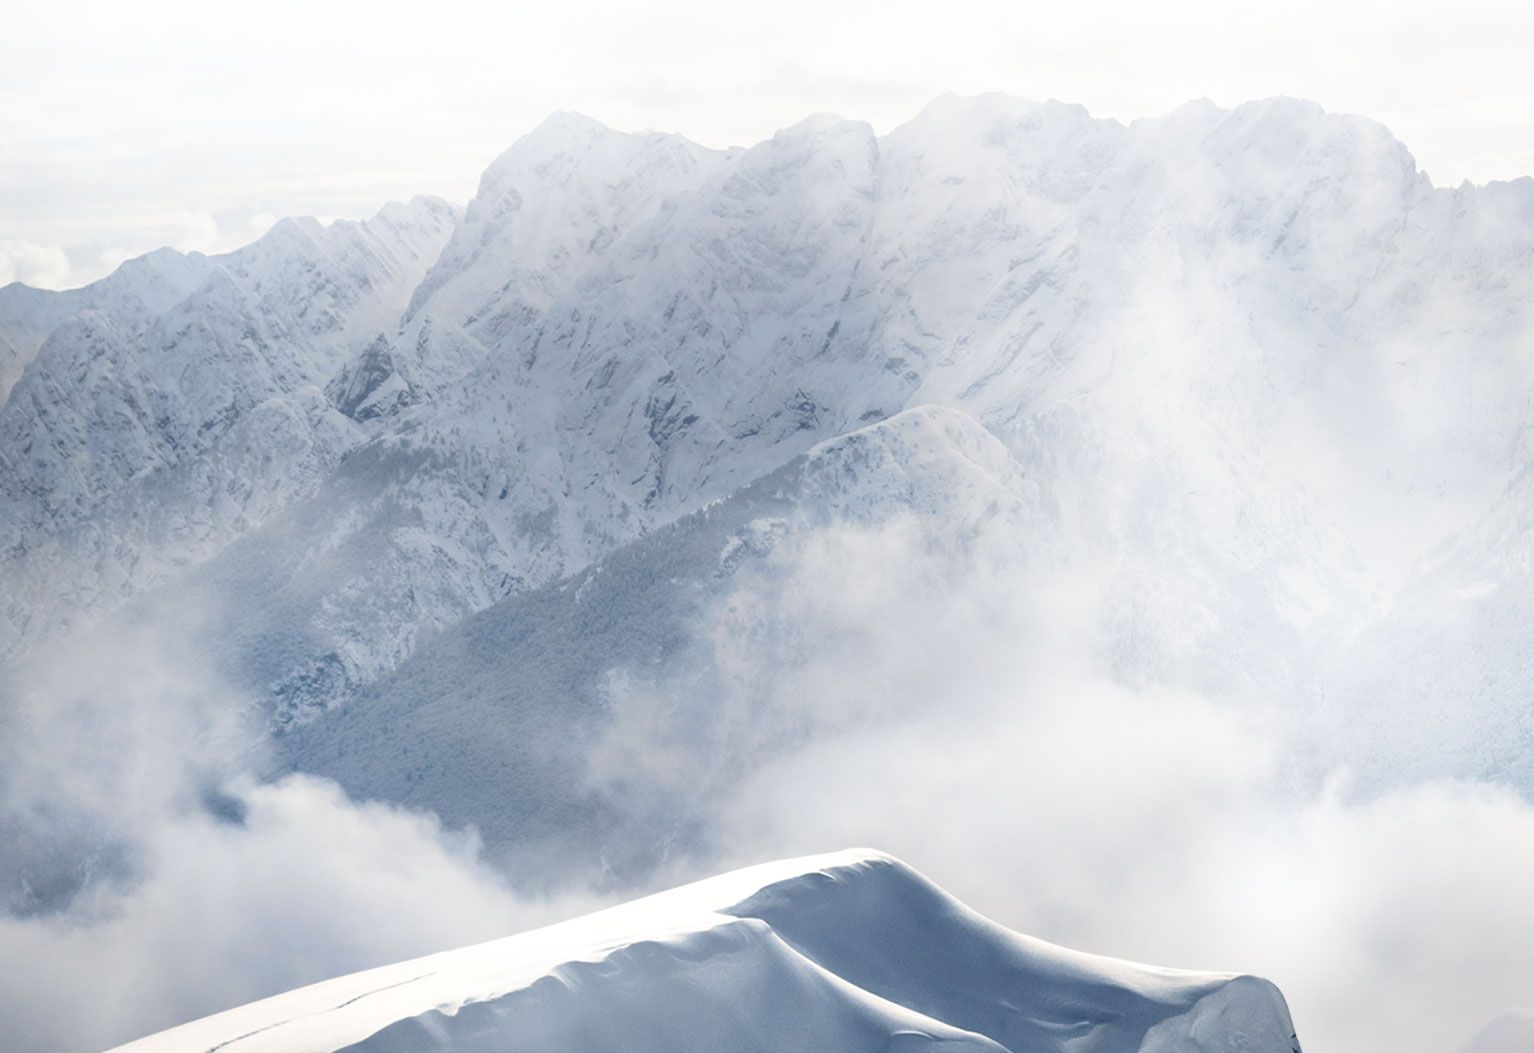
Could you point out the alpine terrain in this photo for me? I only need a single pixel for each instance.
(669, 508)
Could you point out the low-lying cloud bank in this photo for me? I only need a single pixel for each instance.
(1057, 739)
(1401, 922)
(968, 708)
(306, 885)
(153, 880)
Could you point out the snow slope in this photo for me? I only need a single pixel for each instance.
(133, 294)
(544, 212)
(1262, 324)
(519, 694)
(139, 440)
(850, 951)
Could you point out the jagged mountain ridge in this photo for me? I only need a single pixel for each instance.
(1204, 304)
(780, 304)
(133, 294)
(134, 444)
(725, 336)
(544, 211)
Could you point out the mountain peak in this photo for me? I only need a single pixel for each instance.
(953, 111)
(821, 125)
(571, 122)
(430, 204)
(557, 133)
(292, 232)
(951, 104)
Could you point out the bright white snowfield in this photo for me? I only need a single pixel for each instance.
(848, 952)
(1131, 526)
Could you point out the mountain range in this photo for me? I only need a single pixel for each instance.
(509, 511)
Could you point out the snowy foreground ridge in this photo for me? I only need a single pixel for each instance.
(849, 951)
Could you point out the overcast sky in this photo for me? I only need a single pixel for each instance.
(124, 127)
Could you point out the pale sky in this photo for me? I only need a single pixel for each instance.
(127, 126)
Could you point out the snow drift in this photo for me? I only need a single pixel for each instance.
(850, 951)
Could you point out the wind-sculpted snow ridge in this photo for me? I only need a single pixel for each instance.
(852, 951)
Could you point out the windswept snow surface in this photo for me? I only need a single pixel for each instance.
(852, 951)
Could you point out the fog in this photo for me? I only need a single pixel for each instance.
(154, 879)
(1088, 735)
(955, 704)
(975, 701)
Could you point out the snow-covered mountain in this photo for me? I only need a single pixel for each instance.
(1445, 685)
(851, 951)
(460, 505)
(545, 211)
(132, 295)
(1268, 308)
(138, 441)
(622, 328)
(521, 693)
(1216, 345)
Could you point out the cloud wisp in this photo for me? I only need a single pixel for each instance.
(157, 880)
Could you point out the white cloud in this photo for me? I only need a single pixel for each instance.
(952, 703)
(307, 886)
(957, 707)
(96, 247)
(39, 265)
(153, 880)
